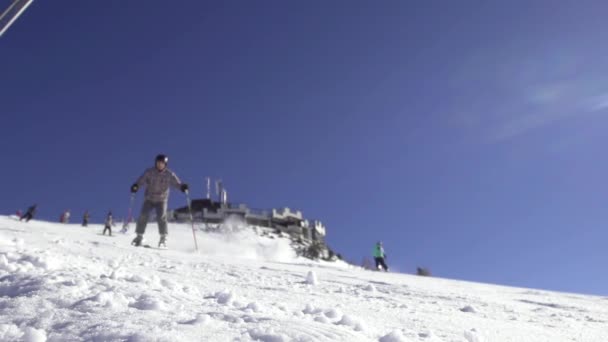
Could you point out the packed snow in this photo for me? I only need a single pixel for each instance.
(64, 282)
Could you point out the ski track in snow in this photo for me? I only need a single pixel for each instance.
(67, 283)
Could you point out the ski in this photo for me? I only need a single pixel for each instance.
(152, 247)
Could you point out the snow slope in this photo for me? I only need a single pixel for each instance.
(68, 283)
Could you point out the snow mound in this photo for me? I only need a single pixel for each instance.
(34, 335)
(469, 309)
(311, 278)
(148, 302)
(395, 336)
(352, 322)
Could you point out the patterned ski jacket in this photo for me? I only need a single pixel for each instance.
(157, 184)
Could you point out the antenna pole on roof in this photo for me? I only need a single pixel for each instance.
(208, 181)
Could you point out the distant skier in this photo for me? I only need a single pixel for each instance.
(65, 217)
(29, 214)
(109, 223)
(85, 219)
(19, 213)
(157, 181)
(380, 256)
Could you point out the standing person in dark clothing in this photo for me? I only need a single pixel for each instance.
(157, 181)
(85, 219)
(109, 223)
(29, 214)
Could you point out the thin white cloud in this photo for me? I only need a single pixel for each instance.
(598, 103)
(530, 92)
(520, 124)
(547, 94)
(539, 106)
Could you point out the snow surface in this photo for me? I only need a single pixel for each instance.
(68, 283)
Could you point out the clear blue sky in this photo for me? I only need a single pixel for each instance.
(466, 135)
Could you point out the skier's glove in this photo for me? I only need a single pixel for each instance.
(134, 188)
(184, 187)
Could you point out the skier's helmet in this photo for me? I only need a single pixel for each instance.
(162, 158)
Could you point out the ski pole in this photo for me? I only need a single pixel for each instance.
(191, 219)
(130, 214)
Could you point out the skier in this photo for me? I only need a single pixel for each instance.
(85, 219)
(65, 217)
(157, 181)
(109, 223)
(19, 213)
(29, 214)
(380, 256)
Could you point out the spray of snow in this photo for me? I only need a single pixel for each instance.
(245, 243)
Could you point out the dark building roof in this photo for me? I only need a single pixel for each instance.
(199, 205)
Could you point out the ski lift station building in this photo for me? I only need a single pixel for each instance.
(282, 220)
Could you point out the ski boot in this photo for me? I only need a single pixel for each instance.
(137, 241)
(162, 243)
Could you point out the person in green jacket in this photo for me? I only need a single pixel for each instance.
(380, 256)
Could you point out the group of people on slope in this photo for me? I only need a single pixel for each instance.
(157, 181)
(65, 218)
